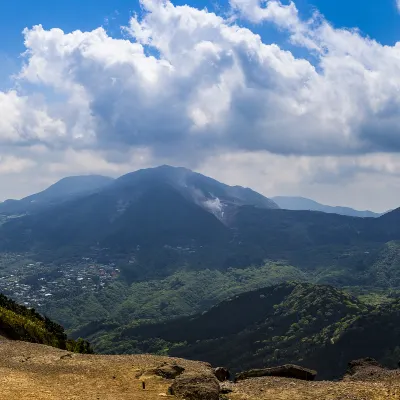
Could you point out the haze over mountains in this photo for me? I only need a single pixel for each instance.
(211, 194)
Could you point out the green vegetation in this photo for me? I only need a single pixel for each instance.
(183, 293)
(20, 323)
(315, 326)
(101, 317)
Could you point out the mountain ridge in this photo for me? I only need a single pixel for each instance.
(303, 203)
(63, 190)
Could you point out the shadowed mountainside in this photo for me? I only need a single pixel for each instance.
(318, 327)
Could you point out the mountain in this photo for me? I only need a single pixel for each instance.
(206, 192)
(310, 325)
(163, 208)
(156, 221)
(302, 203)
(63, 190)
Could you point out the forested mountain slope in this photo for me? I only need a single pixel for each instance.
(315, 326)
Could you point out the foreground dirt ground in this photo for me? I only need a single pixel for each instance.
(29, 371)
(285, 389)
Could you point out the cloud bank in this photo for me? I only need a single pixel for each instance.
(190, 87)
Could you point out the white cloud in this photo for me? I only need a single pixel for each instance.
(271, 10)
(213, 81)
(398, 5)
(186, 84)
(25, 120)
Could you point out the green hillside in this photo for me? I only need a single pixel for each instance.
(102, 316)
(315, 326)
(182, 293)
(20, 323)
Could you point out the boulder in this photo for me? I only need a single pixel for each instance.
(167, 371)
(195, 386)
(356, 365)
(222, 374)
(284, 371)
(366, 369)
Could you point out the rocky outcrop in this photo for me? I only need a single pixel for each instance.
(367, 369)
(167, 371)
(193, 386)
(222, 374)
(284, 371)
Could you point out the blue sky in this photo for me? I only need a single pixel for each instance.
(378, 19)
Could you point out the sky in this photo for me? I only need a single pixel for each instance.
(288, 98)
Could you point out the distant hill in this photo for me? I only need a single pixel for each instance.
(63, 190)
(315, 326)
(302, 203)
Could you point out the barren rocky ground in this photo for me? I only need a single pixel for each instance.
(31, 371)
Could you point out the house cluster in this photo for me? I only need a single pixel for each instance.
(34, 284)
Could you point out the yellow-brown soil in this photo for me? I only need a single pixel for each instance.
(30, 371)
(289, 389)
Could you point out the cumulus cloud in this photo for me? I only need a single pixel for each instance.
(186, 84)
(285, 16)
(215, 85)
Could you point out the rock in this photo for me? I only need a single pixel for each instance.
(226, 388)
(357, 365)
(222, 374)
(284, 371)
(167, 371)
(365, 369)
(196, 386)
